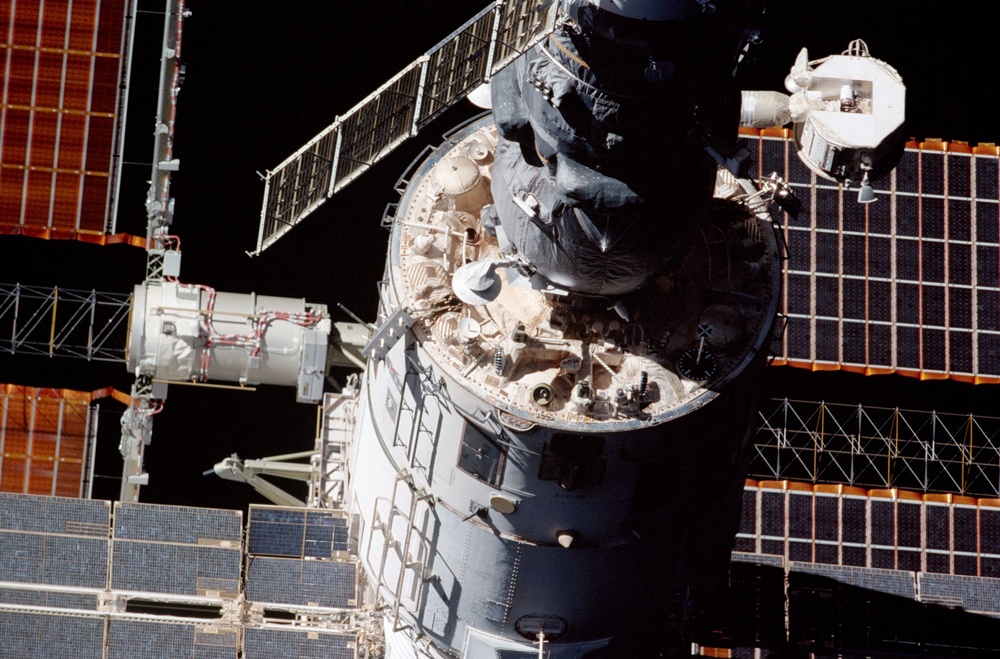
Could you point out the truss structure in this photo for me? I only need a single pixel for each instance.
(63, 322)
(877, 447)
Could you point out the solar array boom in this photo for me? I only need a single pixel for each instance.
(397, 110)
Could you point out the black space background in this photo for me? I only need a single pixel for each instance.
(264, 77)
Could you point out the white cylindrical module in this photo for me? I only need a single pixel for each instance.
(521, 463)
(190, 332)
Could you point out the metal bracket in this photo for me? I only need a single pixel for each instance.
(388, 334)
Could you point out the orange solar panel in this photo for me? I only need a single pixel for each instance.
(45, 439)
(62, 67)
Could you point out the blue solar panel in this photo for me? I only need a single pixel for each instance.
(182, 551)
(325, 533)
(54, 559)
(891, 582)
(75, 561)
(38, 636)
(973, 593)
(140, 639)
(20, 557)
(43, 514)
(137, 521)
(275, 532)
(51, 541)
(296, 533)
(266, 643)
(174, 568)
(303, 583)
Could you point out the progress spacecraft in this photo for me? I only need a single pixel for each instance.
(551, 430)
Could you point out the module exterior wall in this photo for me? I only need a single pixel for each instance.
(282, 341)
(497, 581)
(454, 544)
(543, 507)
(486, 572)
(475, 576)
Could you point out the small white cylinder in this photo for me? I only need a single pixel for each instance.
(193, 333)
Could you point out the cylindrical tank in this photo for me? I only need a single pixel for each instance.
(194, 333)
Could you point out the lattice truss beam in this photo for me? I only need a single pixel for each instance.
(877, 447)
(469, 57)
(63, 322)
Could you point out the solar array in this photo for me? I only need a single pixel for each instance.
(54, 515)
(157, 523)
(54, 542)
(42, 636)
(909, 284)
(890, 582)
(302, 582)
(60, 122)
(296, 532)
(798, 607)
(877, 529)
(45, 440)
(843, 564)
(290, 552)
(142, 639)
(184, 551)
(176, 581)
(268, 642)
(970, 593)
(368, 132)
